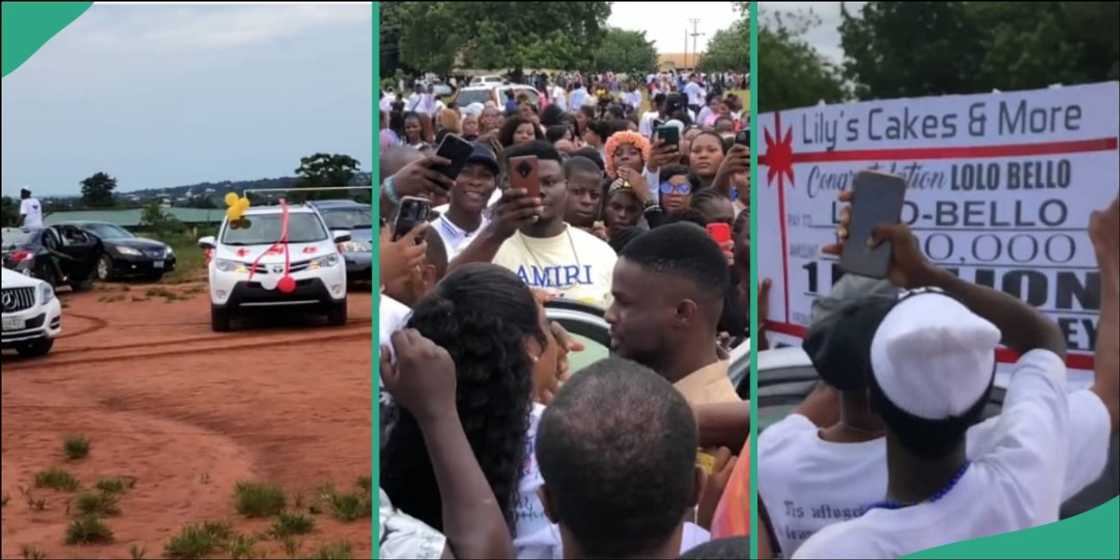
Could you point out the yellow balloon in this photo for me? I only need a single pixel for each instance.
(243, 204)
(234, 213)
(231, 199)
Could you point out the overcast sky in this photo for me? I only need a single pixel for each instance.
(826, 36)
(160, 96)
(665, 22)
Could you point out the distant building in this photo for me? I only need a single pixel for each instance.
(676, 61)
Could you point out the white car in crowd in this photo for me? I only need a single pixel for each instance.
(246, 265)
(32, 315)
(496, 93)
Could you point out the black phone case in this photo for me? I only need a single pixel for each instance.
(670, 134)
(455, 149)
(413, 211)
(878, 200)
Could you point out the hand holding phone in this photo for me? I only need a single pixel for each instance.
(877, 200)
(457, 151)
(412, 212)
(669, 134)
(524, 173)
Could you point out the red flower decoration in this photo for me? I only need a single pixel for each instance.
(309, 250)
(242, 252)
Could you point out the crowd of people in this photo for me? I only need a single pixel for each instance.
(890, 455)
(491, 447)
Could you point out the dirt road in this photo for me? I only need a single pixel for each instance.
(188, 413)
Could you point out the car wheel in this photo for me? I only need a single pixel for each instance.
(220, 318)
(82, 285)
(336, 313)
(105, 268)
(155, 276)
(35, 348)
(45, 272)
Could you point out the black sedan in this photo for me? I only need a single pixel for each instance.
(59, 255)
(128, 255)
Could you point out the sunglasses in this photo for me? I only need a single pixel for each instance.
(669, 188)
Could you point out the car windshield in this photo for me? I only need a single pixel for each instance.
(262, 229)
(357, 217)
(467, 97)
(15, 237)
(109, 231)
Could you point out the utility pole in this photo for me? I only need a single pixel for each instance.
(686, 46)
(695, 34)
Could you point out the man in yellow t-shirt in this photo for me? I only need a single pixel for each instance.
(530, 237)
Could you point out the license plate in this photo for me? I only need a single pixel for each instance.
(157, 264)
(13, 324)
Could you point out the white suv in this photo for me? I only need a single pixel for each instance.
(315, 264)
(32, 316)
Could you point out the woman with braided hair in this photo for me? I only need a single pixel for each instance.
(504, 352)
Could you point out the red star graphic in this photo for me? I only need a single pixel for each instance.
(779, 155)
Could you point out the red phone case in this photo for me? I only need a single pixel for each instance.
(719, 232)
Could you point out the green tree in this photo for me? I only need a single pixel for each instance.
(910, 49)
(729, 49)
(437, 36)
(624, 51)
(160, 223)
(9, 212)
(97, 190)
(791, 72)
(324, 170)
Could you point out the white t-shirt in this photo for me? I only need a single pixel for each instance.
(531, 519)
(558, 98)
(645, 125)
(575, 264)
(808, 483)
(421, 103)
(455, 238)
(1015, 481)
(546, 544)
(633, 98)
(32, 212)
(695, 93)
(578, 98)
(391, 317)
(387, 102)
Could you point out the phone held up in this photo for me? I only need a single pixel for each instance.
(670, 134)
(413, 211)
(457, 151)
(524, 173)
(877, 199)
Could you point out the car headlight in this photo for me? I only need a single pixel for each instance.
(324, 262)
(169, 252)
(46, 293)
(358, 246)
(128, 251)
(225, 265)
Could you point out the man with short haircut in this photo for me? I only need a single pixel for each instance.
(530, 237)
(617, 451)
(472, 193)
(932, 363)
(668, 289)
(585, 193)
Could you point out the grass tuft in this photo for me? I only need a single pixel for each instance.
(136, 552)
(259, 499)
(57, 479)
(98, 503)
(196, 541)
(333, 551)
(88, 529)
(347, 507)
(29, 552)
(76, 447)
(288, 524)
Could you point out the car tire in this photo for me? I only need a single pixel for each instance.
(83, 285)
(35, 348)
(336, 313)
(43, 271)
(154, 277)
(220, 318)
(105, 268)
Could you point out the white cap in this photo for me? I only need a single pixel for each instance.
(932, 357)
(474, 109)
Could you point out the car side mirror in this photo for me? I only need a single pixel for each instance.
(207, 243)
(341, 235)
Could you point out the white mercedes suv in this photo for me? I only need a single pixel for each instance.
(247, 264)
(32, 316)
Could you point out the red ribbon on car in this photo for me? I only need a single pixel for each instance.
(287, 284)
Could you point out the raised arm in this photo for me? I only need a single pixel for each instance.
(1104, 230)
(423, 381)
(514, 210)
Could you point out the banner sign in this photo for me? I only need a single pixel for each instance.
(1000, 189)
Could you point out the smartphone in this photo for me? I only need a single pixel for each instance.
(719, 232)
(877, 200)
(457, 151)
(524, 174)
(743, 137)
(675, 102)
(412, 212)
(670, 134)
